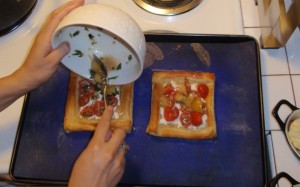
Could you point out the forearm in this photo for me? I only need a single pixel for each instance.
(41, 62)
(11, 88)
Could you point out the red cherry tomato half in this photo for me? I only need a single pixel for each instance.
(168, 89)
(170, 114)
(91, 90)
(202, 90)
(83, 83)
(196, 118)
(98, 108)
(112, 101)
(185, 119)
(87, 111)
(84, 99)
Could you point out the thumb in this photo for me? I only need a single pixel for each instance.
(57, 54)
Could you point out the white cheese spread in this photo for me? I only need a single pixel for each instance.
(177, 121)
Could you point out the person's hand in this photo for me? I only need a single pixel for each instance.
(42, 60)
(103, 160)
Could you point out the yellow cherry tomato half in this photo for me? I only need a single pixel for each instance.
(196, 104)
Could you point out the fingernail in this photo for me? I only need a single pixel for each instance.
(110, 108)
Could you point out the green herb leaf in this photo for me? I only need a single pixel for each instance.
(78, 53)
(75, 33)
(91, 36)
(129, 57)
(119, 66)
(92, 73)
(110, 78)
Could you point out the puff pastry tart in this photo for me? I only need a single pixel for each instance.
(85, 104)
(183, 105)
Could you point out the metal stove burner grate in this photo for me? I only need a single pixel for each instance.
(167, 7)
(13, 13)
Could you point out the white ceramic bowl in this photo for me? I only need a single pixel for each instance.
(107, 32)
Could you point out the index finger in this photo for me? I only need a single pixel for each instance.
(103, 126)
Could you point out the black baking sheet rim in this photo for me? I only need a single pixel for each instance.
(163, 38)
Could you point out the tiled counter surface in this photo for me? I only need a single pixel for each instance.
(280, 80)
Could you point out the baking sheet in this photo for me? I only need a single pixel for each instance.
(45, 153)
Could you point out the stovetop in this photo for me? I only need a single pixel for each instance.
(13, 14)
(280, 67)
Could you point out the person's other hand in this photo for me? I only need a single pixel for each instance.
(42, 60)
(103, 160)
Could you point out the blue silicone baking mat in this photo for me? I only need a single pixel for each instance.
(45, 153)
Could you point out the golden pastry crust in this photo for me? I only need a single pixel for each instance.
(159, 79)
(73, 121)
